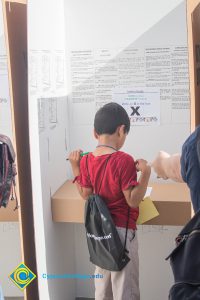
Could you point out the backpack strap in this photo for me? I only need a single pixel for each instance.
(13, 191)
(124, 248)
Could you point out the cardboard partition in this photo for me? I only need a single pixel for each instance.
(171, 200)
(8, 214)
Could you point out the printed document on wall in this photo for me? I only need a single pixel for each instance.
(141, 104)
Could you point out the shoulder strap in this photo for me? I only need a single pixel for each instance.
(103, 173)
(124, 248)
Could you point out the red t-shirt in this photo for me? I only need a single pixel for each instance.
(120, 174)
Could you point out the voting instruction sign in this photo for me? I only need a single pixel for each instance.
(141, 104)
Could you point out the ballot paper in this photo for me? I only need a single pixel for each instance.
(147, 209)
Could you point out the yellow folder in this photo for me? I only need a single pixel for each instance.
(147, 211)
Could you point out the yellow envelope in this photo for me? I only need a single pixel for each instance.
(147, 211)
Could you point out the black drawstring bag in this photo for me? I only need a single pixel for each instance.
(104, 244)
(185, 262)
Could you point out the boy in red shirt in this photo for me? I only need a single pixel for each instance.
(121, 190)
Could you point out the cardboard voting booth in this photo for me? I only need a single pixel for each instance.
(68, 206)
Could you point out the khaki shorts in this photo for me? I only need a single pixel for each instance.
(122, 285)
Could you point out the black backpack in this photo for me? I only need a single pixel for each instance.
(185, 262)
(7, 172)
(104, 244)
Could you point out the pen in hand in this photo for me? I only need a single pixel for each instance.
(82, 154)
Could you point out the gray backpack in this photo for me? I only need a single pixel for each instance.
(7, 172)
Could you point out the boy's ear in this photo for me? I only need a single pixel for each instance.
(121, 130)
(95, 134)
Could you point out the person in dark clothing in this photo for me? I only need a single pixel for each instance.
(190, 166)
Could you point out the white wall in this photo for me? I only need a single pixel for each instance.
(5, 110)
(10, 252)
(49, 143)
(119, 27)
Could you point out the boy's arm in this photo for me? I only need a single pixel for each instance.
(74, 159)
(134, 195)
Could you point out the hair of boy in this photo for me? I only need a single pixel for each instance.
(109, 117)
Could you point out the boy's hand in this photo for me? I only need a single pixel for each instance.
(74, 158)
(142, 165)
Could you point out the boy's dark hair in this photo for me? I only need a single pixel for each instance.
(109, 117)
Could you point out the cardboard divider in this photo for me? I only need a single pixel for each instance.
(8, 214)
(172, 200)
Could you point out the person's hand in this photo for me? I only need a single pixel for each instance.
(142, 165)
(167, 166)
(74, 158)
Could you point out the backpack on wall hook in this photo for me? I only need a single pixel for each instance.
(7, 172)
